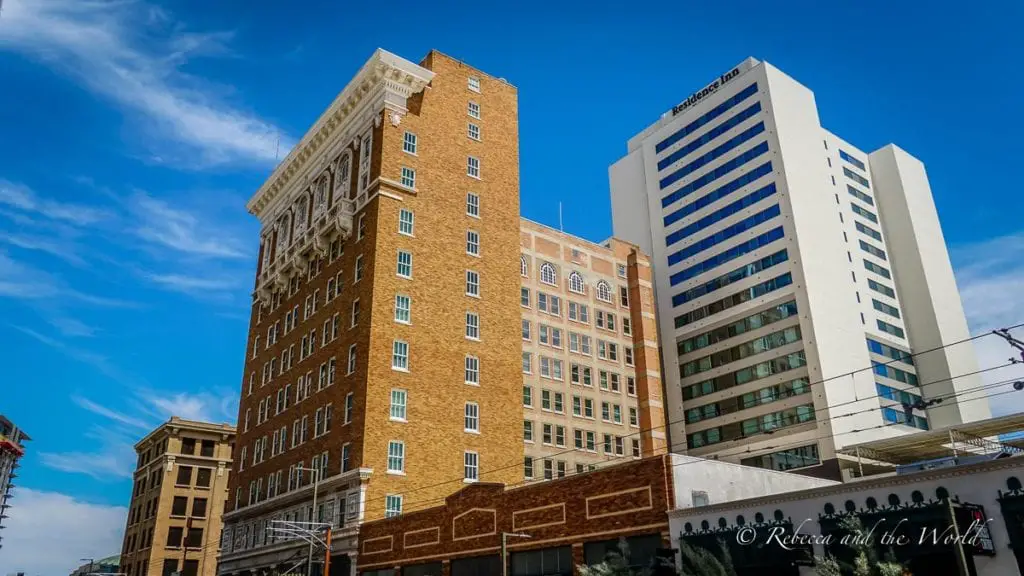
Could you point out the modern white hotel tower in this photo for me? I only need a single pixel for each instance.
(793, 275)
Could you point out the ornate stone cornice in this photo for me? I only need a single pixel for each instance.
(385, 81)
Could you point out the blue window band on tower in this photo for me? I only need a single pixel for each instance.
(723, 257)
(730, 278)
(718, 194)
(721, 214)
(724, 234)
(707, 117)
(851, 160)
(715, 153)
(715, 174)
(710, 135)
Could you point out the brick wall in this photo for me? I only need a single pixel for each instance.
(628, 499)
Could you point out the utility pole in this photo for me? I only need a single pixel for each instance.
(961, 556)
(316, 486)
(1013, 342)
(327, 554)
(504, 549)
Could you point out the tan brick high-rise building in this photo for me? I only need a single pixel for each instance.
(378, 347)
(178, 497)
(591, 379)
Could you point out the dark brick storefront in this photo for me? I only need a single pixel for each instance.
(570, 521)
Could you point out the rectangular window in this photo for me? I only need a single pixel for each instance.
(864, 212)
(346, 457)
(865, 229)
(409, 143)
(860, 195)
(406, 221)
(472, 417)
(400, 355)
(473, 167)
(633, 420)
(472, 370)
(871, 266)
(623, 296)
(588, 408)
(358, 275)
(392, 503)
(885, 308)
(351, 359)
(404, 264)
(527, 363)
(577, 405)
(629, 355)
(890, 329)
(396, 456)
(472, 467)
(472, 326)
(473, 242)
(528, 467)
(473, 131)
(873, 250)
(473, 110)
(856, 177)
(408, 177)
(403, 306)
(350, 405)
(546, 435)
(527, 397)
(398, 399)
(474, 84)
(472, 283)
(524, 297)
(527, 431)
(472, 205)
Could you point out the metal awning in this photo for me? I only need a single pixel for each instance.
(961, 439)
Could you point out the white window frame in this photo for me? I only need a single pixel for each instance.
(473, 243)
(396, 455)
(548, 274)
(472, 418)
(398, 266)
(472, 205)
(471, 466)
(473, 110)
(408, 178)
(473, 167)
(472, 326)
(392, 505)
(399, 405)
(472, 373)
(473, 84)
(400, 356)
(473, 131)
(406, 219)
(472, 283)
(351, 367)
(401, 310)
(576, 283)
(409, 143)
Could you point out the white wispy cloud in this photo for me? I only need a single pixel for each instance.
(39, 519)
(22, 281)
(989, 275)
(202, 406)
(21, 198)
(162, 224)
(72, 327)
(132, 53)
(111, 414)
(100, 362)
(62, 251)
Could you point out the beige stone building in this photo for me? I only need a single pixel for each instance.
(178, 497)
(591, 380)
(376, 374)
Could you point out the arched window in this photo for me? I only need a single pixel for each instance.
(604, 291)
(320, 198)
(547, 274)
(284, 232)
(343, 180)
(524, 269)
(576, 282)
(301, 214)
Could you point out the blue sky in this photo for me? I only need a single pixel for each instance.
(132, 133)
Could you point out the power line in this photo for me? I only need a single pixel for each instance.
(810, 384)
(804, 442)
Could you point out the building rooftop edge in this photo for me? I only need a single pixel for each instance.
(297, 156)
(197, 425)
(601, 245)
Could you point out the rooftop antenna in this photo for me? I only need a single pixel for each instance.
(560, 229)
(277, 147)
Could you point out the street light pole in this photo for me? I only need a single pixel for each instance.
(316, 486)
(91, 560)
(504, 549)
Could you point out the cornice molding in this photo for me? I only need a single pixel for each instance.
(386, 81)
